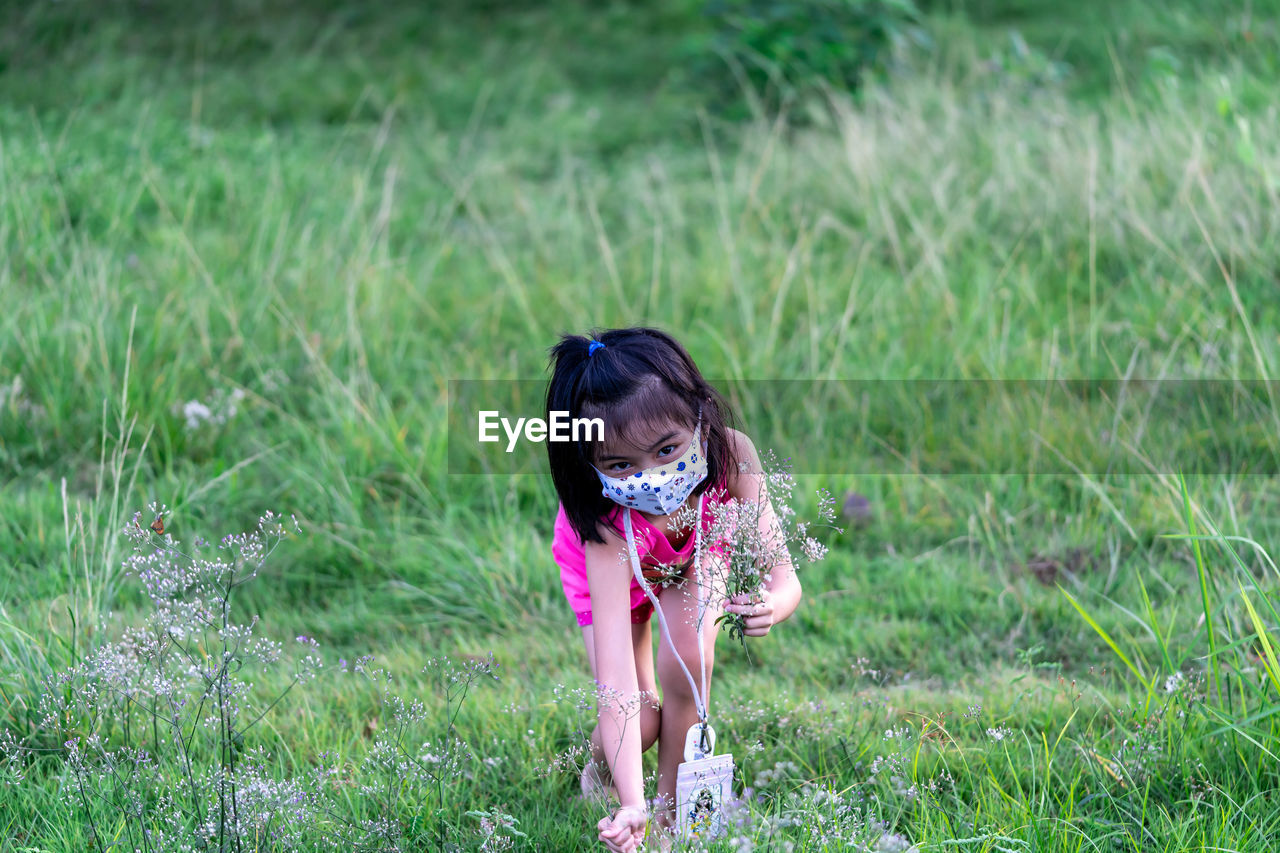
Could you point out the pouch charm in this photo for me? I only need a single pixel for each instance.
(704, 783)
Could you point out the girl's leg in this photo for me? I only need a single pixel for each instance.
(597, 773)
(679, 712)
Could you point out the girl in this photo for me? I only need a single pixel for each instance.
(666, 445)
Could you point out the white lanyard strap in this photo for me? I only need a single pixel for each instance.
(699, 698)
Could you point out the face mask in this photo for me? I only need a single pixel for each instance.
(662, 488)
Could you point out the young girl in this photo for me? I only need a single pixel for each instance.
(666, 444)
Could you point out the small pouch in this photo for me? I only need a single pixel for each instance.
(704, 783)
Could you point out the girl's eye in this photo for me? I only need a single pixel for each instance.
(668, 450)
(619, 466)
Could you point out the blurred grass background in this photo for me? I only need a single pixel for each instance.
(324, 212)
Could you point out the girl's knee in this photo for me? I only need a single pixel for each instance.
(650, 724)
(675, 684)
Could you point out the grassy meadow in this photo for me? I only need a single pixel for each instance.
(243, 252)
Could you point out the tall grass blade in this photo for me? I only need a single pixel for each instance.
(1202, 576)
(1264, 639)
(1093, 623)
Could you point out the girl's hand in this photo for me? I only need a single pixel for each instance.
(756, 611)
(624, 832)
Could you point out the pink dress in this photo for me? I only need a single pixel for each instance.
(651, 544)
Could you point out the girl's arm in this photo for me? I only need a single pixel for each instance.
(782, 591)
(618, 705)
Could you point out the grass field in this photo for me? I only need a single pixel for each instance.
(308, 219)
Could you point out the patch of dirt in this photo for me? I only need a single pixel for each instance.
(1046, 568)
(857, 508)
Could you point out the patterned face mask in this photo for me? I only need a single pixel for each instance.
(663, 488)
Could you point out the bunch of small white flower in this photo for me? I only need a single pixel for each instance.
(153, 727)
(896, 733)
(754, 541)
(12, 759)
(14, 399)
(827, 819)
(892, 842)
(220, 407)
(1138, 757)
(164, 710)
(781, 773)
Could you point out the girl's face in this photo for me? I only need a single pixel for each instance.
(654, 446)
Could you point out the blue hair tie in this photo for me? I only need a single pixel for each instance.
(595, 345)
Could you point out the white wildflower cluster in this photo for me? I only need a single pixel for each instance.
(1200, 786)
(390, 767)
(13, 759)
(176, 688)
(307, 669)
(187, 651)
(262, 649)
(1183, 691)
(463, 674)
(737, 819)
(896, 772)
(220, 407)
(154, 728)
(999, 733)
(404, 765)
(627, 705)
(775, 777)
(862, 667)
(783, 716)
(752, 536)
(570, 760)
(13, 400)
(1138, 757)
(275, 812)
(886, 765)
(892, 842)
(818, 817)
(273, 380)
(580, 698)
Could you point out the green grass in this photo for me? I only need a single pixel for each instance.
(263, 203)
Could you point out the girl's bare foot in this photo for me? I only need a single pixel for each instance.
(596, 782)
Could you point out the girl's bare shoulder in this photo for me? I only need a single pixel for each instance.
(743, 475)
(740, 445)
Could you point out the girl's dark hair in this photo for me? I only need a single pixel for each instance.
(640, 378)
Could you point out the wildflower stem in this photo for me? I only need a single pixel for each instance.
(84, 800)
(184, 749)
(228, 734)
(267, 709)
